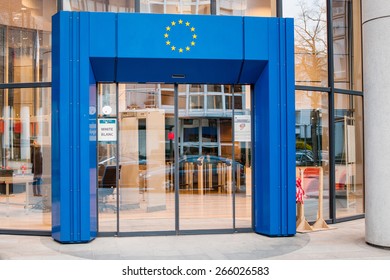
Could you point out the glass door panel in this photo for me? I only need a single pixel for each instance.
(205, 189)
(242, 155)
(107, 158)
(146, 193)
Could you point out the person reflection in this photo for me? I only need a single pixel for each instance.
(36, 160)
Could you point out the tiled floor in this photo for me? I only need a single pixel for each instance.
(343, 241)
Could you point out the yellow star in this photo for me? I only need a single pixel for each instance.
(168, 28)
(192, 29)
(180, 50)
(173, 23)
(192, 43)
(168, 43)
(194, 36)
(173, 48)
(187, 49)
(187, 23)
(180, 21)
(166, 35)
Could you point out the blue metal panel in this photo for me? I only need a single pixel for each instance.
(60, 144)
(283, 126)
(103, 45)
(149, 48)
(55, 155)
(86, 184)
(104, 69)
(193, 71)
(147, 36)
(102, 27)
(290, 130)
(256, 41)
(261, 153)
(274, 137)
(274, 128)
(71, 180)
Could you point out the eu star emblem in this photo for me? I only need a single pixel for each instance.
(180, 36)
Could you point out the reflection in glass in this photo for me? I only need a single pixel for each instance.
(196, 102)
(311, 66)
(25, 55)
(117, 6)
(214, 102)
(107, 189)
(25, 152)
(146, 141)
(194, 7)
(312, 149)
(205, 185)
(347, 44)
(243, 168)
(29, 14)
(348, 155)
(264, 8)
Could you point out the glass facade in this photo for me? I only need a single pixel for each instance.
(329, 121)
(312, 149)
(25, 115)
(348, 127)
(311, 41)
(347, 56)
(329, 98)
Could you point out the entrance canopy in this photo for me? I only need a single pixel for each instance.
(142, 48)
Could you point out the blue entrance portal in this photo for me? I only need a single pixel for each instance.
(109, 47)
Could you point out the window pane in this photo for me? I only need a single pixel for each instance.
(196, 102)
(25, 152)
(99, 5)
(238, 102)
(311, 66)
(312, 150)
(194, 7)
(349, 155)
(347, 44)
(27, 14)
(25, 41)
(214, 102)
(264, 8)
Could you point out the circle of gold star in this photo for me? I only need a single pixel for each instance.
(186, 47)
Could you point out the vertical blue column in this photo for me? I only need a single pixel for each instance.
(273, 135)
(73, 140)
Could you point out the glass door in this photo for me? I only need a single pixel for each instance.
(107, 153)
(138, 127)
(147, 199)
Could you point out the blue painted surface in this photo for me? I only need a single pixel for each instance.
(134, 48)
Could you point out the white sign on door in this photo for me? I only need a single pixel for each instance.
(107, 130)
(242, 128)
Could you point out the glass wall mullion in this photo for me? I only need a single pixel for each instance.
(118, 155)
(279, 8)
(137, 6)
(233, 165)
(349, 92)
(176, 155)
(332, 169)
(60, 5)
(213, 7)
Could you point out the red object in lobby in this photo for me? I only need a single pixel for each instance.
(18, 127)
